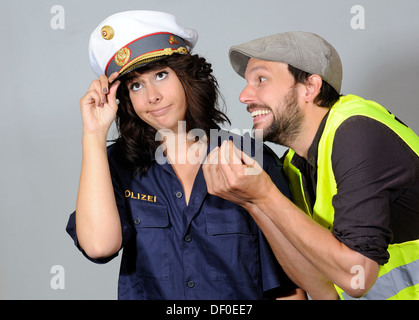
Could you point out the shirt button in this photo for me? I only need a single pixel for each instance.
(137, 221)
(179, 194)
(188, 238)
(191, 284)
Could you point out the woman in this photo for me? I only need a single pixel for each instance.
(178, 241)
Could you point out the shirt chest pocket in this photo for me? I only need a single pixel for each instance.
(234, 236)
(149, 216)
(230, 221)
(153, 240)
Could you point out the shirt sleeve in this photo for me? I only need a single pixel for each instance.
(370, 166)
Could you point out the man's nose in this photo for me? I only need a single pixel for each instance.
(247, 95)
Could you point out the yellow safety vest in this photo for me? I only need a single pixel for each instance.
(399, 277)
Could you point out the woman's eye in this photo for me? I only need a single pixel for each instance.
(161, 75)
(136, 86)
(261, 79)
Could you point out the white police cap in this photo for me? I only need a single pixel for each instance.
(131, 39)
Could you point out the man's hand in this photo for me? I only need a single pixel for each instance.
(234, 176)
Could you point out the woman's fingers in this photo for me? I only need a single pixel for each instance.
(98, 105)
(99, 91)
(112, 95)
(101, 88)
(113, 76)
(91, 98)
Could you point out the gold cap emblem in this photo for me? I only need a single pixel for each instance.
(107, 32)
(172, 40)
(122, 56)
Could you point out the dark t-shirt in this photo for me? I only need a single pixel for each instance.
(377, 176)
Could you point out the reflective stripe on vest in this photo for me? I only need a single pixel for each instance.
(399, 277)
(393, 283)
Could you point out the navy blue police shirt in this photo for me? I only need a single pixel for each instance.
(208, 249)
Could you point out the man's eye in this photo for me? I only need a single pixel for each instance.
(161, 75)
(136, 86)
(261, 79)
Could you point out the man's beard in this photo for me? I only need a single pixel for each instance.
(287, 120)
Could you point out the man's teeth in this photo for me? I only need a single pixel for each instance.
(259, 113)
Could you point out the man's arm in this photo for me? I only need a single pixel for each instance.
(310, 254)
(298, 268)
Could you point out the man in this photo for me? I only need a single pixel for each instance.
(352, 229)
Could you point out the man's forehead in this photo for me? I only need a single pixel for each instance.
(255, 65)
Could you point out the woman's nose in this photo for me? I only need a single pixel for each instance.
(154, 95)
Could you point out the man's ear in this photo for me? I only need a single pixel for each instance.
(312, 85)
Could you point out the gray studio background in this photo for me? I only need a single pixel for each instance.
(45, 71)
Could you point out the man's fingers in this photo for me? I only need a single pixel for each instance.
(229, 156)
(247, 160)
(235, 154)
(213, 173)
(229, 165)
(212, 157)
(240, 162)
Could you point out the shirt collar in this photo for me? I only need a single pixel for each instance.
(159, 156)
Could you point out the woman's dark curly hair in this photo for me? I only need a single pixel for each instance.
(136, 141)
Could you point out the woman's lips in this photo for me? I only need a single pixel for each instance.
(159, 112)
